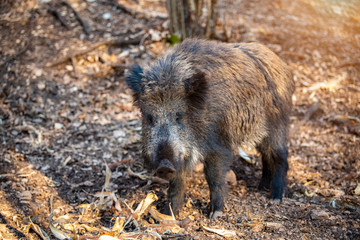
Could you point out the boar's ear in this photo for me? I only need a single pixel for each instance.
(134, 80)
(196, 89)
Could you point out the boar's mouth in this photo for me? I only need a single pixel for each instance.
(165, 170)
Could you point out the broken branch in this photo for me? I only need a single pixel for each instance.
(83, 23)
(133, 12)
(112, 42)
(58, 16)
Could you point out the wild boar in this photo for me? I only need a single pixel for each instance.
(201, 101)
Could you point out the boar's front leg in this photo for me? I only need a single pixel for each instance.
(215, 167)
(176, 193)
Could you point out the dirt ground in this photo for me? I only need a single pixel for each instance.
(67, 122)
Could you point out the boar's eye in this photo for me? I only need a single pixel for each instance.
(179, 117)
(149, 119)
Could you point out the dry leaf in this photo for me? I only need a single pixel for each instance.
(107, 237)
(117, 205)
(25, 196)
(39, 231)
(138, 175)
(66, 161)
(257, 228)
(88, 228)
(118, 225)
(107, 177)
(58, 233)
(319, 214)
(171, 228)
(311, 194)
(159, 216)
(330, 85)
(352, 120)
(221, 232)
(357, 190)
(144, 204)
(275, 226)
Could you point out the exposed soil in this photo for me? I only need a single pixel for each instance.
(62, 118)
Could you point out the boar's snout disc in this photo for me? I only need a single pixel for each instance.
(165, 169)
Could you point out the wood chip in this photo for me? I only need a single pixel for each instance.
(319, 215)
(357, 190)
(275, 226)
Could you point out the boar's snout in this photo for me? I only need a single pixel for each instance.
(164, 161)
(165, 170)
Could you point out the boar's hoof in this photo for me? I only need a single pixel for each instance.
(165, 170)
(276, 200)
(276, 193)
(215, 214)
(276, 196)
(264, 186)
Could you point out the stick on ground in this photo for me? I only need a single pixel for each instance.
(112, 42)
(82, 22)
(58, 16)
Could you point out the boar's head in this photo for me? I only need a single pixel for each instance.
(171, 97)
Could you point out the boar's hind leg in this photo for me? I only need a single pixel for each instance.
(176, 193)
(216, 165)
(280, 167)
(266, 174)
(275, 166)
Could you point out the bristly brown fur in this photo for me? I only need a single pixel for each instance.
(208, 98)
(196, 89)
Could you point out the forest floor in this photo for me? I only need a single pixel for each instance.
(70, 162)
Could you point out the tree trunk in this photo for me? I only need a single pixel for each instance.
(187, 20)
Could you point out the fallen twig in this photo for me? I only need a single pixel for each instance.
(167, 219)
(176, 236)
(83, 23)
(30, 128)
(112, 42)
(134, 12)
(109, 69)
(352, 123)
(138, 175)
(73, 63)
(58, 16)
(38, 230)
(121, 7)
(348, 64)
(221, 232)
(113, 165)
(145, 177)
